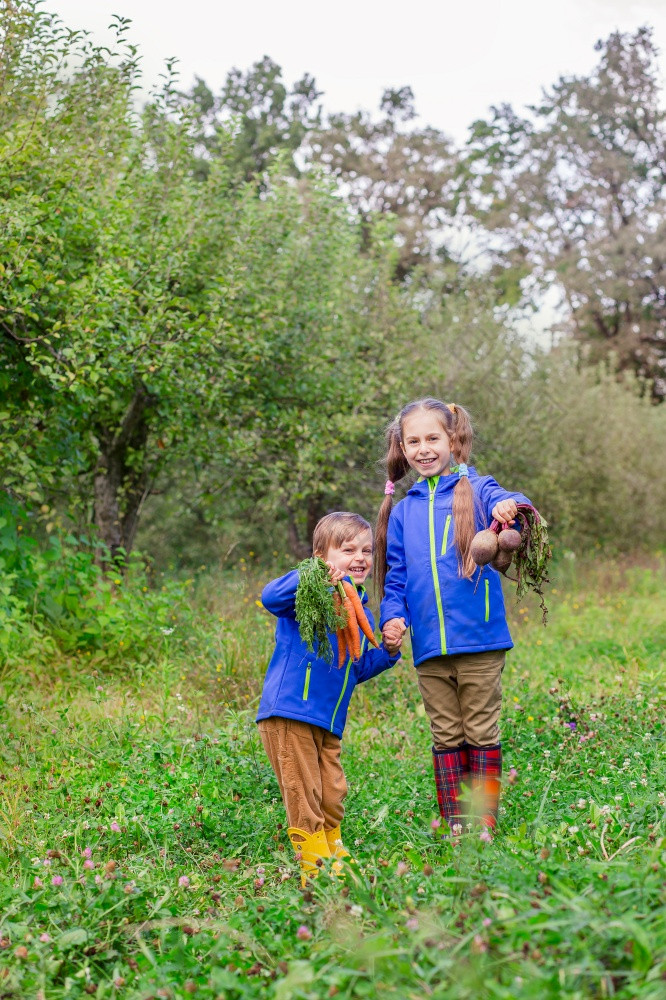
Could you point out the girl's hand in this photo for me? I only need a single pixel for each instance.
(393, 631)
(505, 511)
(334, 574)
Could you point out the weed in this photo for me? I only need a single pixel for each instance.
(143, 842)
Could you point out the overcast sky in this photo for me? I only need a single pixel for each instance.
(459, 58)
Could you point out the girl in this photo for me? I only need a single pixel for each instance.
(304, 702)
(455, 611)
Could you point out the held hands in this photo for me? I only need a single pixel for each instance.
(505, 511)
(392, 634)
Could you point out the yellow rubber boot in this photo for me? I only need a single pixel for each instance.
(310, 848)
(334, 838)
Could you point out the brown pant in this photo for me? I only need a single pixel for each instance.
(462, 695)
(306, 761)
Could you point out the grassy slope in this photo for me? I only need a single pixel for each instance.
(568, 901)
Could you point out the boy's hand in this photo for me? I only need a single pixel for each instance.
(334, 574)
(392, 634)
(505, 511)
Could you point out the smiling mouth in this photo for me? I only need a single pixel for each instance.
(426, 461)
(357, 569)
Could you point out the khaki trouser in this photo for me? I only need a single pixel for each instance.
(306, 761)
(462, 695)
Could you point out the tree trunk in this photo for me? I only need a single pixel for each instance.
(121, 485)
(300, 545)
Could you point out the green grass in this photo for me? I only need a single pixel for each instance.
(154, 769)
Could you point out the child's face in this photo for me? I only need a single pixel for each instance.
(353, 558)
(425, 444)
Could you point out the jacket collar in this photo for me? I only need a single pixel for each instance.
(443, 484)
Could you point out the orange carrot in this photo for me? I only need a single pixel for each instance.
(340, 631)
(349, 641)
(342, 647)
(351, 631)
(361, 617)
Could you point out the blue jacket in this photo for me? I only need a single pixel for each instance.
(446, 613)
(298, 685)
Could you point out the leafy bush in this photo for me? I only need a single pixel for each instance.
(53, 591)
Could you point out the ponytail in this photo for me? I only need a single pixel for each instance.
(397, 468)
(464, 513)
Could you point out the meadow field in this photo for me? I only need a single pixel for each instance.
(143, 843)
(212, 304)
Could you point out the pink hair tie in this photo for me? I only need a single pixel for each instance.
(389, 489)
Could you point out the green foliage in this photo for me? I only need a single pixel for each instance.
(55, 597)
(574, 189)
(163, 332)
(532, 558)
(221, 365)
(152, 805)
(254, 121)
(316, 612)
(388, 165)
(111, 252)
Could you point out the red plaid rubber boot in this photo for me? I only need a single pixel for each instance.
(485, 768)
(451, 769)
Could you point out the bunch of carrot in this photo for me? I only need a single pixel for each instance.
(322, 610)
(346, 599)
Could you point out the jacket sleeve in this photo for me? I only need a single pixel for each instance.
(490, 493)
(373, 662)
(394, 604)
(279, 596)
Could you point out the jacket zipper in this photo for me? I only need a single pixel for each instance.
(446, 534)
(432, 485)
(306, 686)
(487, 599)
(344, 684)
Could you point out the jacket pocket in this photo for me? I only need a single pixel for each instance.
(445, 536)
(306, 685)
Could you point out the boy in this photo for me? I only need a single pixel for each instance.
(304, 702)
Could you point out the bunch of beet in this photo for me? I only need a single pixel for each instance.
(500, 545)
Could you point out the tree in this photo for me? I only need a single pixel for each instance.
(383, 166)
(389, 166)
(573, 194)
(151, 320)
(254, 120)
(114, 262)
(318, 328)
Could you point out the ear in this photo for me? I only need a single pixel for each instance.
(402, 449)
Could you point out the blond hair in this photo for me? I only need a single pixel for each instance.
(336, 528)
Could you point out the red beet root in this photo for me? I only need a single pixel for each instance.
(502, 560)
(509, 540)
(484, 547)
